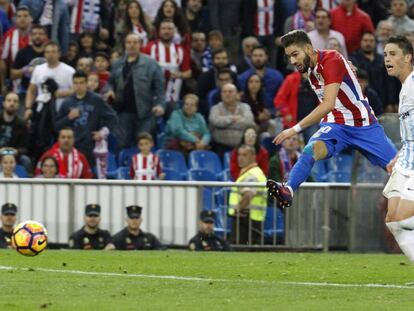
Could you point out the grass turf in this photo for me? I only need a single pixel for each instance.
(237, 281)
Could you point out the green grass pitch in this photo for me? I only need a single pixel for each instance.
(180, 280)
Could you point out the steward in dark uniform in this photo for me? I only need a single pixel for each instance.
(205, 239)
(132, 237)
(90, 236)
(8, 219)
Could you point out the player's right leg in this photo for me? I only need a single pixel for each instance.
(400, 216)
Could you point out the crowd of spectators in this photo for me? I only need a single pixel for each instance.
(80, 79)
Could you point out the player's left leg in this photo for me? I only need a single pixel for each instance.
(373, 144)
(400, 216)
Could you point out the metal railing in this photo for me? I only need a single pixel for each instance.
(321, 217)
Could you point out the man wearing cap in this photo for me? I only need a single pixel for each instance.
(205, 239)
(90, 236)
(8, 219)
(132, 237)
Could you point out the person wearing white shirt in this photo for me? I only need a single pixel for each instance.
(54, 69)
(398, 57)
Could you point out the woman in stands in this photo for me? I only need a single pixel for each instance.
(253, 96)
(170, 9)
(8, 163)
(250, 137)
(49, 168)
(138, 22)
(186, 129)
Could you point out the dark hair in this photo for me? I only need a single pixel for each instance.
(218, 51)
(225, 70)
(324, 10)
(79, 74)
(403, 43)
(255, 106)
(66, 128)
(179, 19)
(362, 74)
(215, 33)
(367, 33)
(38, 26)
(146, 136)
(298, 37)
(127, 21)
(24, 8)
(257, 142)
(102, 54)
(260, 47)
(52, 43)
(73, 43)
(49, 158)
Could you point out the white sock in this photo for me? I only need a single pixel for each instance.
(291, 190)
(404, 235)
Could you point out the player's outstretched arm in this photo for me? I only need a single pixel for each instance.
(328, 104)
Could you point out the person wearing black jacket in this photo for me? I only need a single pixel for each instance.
(87, 113)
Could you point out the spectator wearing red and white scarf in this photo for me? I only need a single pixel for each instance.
(145, 165)
(303, 18)
(173, 59)
(15, 39)
(71, 162)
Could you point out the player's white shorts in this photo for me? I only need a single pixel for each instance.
(399, 185)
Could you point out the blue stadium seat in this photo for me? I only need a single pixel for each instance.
(123, 173)
(339, 176)
(201, 174)
(113, 144)
(225, 175)
(207, 160)
(125, 156)
(171, 159)
(160, 140)
(112, 171)
(171, 174)
(343, 162)
(274, 225)
(20, 171)
(226, 160)
(223, 221)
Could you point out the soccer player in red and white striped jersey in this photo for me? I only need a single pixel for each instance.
(347, 119)
(145, 165)
(172, 57)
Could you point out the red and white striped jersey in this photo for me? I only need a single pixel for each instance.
(351, 106)
(264, 17)
(145, 167)
(172, 58)
(12, 43)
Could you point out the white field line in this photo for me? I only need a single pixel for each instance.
(197, 279)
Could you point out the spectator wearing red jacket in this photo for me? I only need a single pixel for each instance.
(250, 137)
(352, 22)
(71, 162)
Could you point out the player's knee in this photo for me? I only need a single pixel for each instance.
(317, 149)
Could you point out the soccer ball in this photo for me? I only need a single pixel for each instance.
(29, 238)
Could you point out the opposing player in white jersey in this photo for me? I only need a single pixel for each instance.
(347, 119)
(398, 57)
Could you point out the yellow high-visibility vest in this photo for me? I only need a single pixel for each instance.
(258, 203)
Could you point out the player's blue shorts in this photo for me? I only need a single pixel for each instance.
(370, 140)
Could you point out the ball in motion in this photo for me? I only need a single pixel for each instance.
(29, 238)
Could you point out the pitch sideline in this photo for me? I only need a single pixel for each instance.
(197, 279)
